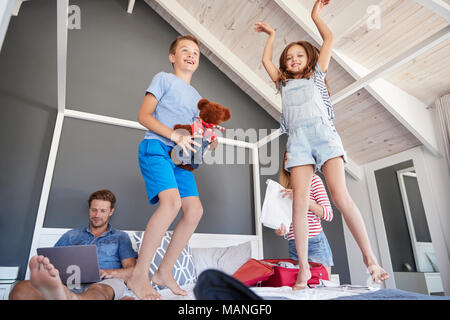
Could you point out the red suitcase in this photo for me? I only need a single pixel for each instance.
(253, 271)
(270, 275)
(286, 276)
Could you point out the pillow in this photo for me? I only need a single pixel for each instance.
(227, 259)
(184, 271)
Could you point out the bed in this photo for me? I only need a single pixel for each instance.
(227, 252)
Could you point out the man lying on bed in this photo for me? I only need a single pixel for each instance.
(116, 259)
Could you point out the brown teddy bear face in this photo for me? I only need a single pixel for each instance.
(212, 112)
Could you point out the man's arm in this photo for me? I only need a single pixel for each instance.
(123, 273)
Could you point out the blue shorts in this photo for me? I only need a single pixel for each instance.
(314, 142)
(160, 173)
(319, 250)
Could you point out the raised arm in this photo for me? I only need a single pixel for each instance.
(271, 69)
(325, 33)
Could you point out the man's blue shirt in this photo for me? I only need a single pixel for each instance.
(113, 246)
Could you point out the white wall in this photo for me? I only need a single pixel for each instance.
(439, 181)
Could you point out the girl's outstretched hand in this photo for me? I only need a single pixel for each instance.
(318, 6)
(281, 231)
(264, 27)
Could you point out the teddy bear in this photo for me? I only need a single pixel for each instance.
(210, 117)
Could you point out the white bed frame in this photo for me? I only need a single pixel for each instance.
(49, 236)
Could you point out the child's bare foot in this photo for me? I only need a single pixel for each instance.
(45, 278)
(378, 274)
(165, 279)
(140, 285)
(302, 279)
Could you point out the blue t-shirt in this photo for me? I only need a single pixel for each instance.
(177, 103)
(113, 246)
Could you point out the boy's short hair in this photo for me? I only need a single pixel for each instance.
(173, 46)
(104, 195)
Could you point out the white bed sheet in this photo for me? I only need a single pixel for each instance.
(269, 293)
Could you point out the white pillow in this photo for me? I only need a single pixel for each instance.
(227, 259)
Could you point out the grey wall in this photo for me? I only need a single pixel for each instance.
(27, 116)
(394, 215)
(111, 61)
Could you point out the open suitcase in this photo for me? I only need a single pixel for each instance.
(267, 273)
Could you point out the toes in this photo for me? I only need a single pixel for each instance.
(34, 263)
(54, 272)
(299, 286)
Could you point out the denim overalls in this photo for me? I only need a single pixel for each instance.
(312, 137)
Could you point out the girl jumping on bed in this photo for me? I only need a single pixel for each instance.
(319, 208)
(313, 143)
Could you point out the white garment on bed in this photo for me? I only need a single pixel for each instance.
(276, 210)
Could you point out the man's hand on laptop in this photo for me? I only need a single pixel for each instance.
(109, 273)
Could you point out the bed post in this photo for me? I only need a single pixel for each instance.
(257, 199)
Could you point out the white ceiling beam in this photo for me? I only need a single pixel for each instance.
(417, 119)
(439, 7)
(6, 9)
(407, 56)
(130, 6)
(407, 109)
(188, 22)
(17, 7)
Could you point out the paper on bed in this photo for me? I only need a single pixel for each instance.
(276, 210)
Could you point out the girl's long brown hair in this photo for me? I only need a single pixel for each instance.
(285, 176)
(313, 56)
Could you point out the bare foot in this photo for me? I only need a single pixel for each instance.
(378, 274)
(164, 279)
(45, 278)
(302, 279)
(140, 285)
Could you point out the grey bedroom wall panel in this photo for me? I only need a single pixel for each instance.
(95, 156)
(114, 56)
(27, 120)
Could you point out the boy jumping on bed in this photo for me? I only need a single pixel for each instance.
(169, 100)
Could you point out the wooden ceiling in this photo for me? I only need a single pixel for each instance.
(368, 130)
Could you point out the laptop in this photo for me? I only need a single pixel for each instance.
(78, 264)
